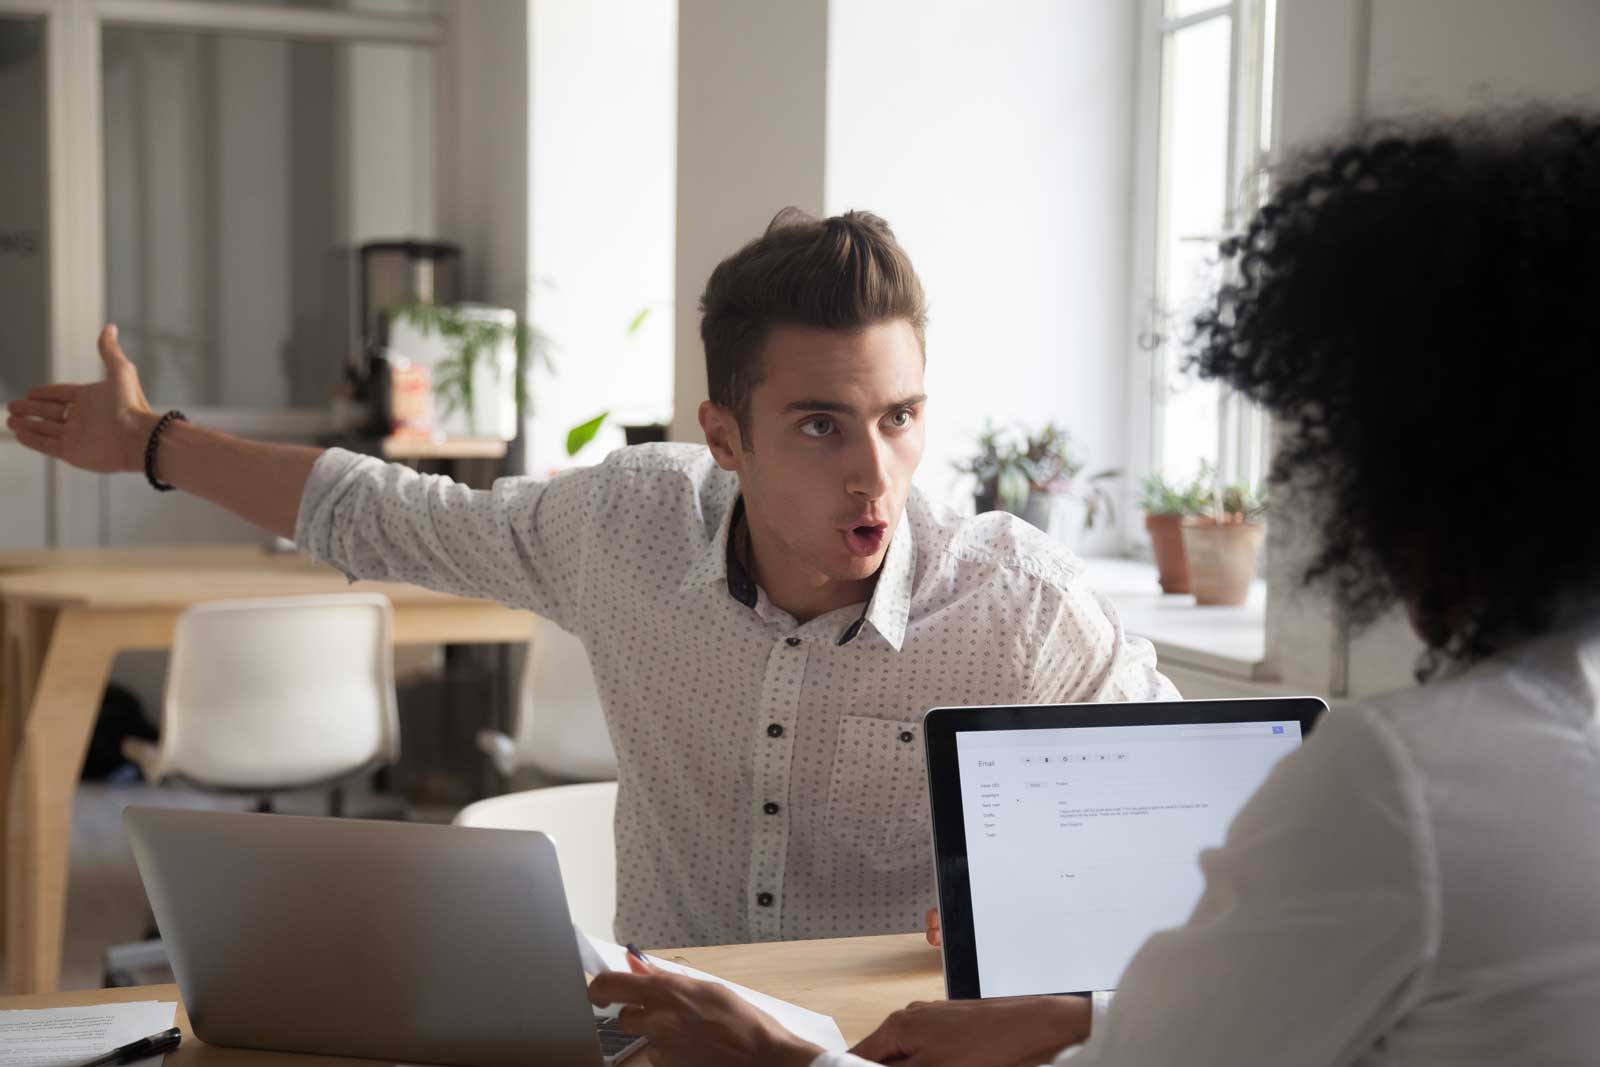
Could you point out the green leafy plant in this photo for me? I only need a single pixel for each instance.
(1053, 467)
(998, 466)
(1239, 503)
(581, 434)
(1010, 467)
(1161, 497)
(469, 337)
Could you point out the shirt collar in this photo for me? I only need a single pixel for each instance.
(888, 611)
(715, 564)
(890, 607)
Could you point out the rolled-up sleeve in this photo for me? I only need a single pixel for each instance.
(521, 542)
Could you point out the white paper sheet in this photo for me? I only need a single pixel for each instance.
(805, 1024)
(65, 1037)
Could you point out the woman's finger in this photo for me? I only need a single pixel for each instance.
(61, 393)
(636, 1020)
(883, 1043)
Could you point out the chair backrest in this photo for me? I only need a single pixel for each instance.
(580, 819)
(561, 729)
(280, 692)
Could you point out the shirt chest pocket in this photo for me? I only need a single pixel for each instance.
(878, 794)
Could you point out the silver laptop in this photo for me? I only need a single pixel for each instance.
(394, 941)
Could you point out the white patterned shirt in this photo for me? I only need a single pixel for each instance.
(771, 781)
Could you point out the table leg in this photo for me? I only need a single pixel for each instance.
(54, 737)
(24, 634)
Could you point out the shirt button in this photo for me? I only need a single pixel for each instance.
(775, 730)
(770, 808)
(905, 735)
(764, 899)
(792, 642)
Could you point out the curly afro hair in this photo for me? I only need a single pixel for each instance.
(1421, 309)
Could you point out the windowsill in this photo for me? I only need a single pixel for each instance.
(1230, 641)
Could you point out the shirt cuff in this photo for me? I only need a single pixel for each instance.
(313, 526)
(1099, 1004)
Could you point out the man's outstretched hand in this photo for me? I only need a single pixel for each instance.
(100, 427)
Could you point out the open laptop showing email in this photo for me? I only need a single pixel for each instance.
(1067, 835)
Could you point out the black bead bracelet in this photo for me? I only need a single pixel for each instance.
(150, 450)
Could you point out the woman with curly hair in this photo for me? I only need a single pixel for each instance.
(1420, 882)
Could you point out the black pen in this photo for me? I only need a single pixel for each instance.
(154, 1045)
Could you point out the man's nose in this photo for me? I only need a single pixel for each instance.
(868, 475)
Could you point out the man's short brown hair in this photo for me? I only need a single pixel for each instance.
(840, 273)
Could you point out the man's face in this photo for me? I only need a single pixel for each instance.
(835, 434)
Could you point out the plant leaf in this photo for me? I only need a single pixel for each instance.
(583, 433)
(638, 321)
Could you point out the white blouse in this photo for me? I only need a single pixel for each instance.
(1418, 885)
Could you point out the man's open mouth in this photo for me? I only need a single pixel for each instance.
(865, 540)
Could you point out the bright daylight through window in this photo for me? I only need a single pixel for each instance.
(1208, 137)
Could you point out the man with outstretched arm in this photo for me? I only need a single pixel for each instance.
(768, 615)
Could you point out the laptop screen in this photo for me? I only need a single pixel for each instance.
(1082, 842)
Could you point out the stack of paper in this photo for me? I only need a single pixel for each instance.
(65, 1037)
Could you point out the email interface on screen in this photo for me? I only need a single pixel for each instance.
(1083, 842)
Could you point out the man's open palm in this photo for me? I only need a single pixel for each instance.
(96, 427)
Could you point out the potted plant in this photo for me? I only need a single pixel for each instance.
(1056, 477)
(1221, 548)
(1165, 508)
(1033, 477)
(475, 353)
(997, 466)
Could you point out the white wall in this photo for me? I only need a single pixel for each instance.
(752, 99)
(603, 174)
(998, 142)
(1342, 61)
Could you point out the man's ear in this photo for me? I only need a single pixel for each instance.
(722, 434)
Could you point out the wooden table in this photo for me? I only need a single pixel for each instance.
(63, 628)
(857, 980)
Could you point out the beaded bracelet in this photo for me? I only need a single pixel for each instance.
(150, 450)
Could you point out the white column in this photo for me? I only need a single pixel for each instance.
(752, 103)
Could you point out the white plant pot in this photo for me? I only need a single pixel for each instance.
(494, 407)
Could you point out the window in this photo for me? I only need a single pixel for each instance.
(1205, 117)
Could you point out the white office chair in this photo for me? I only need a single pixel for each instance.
(267, 696)
(580, 819)
(560, 731)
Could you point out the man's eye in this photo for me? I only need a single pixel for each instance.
(817, 427)
(901, 419)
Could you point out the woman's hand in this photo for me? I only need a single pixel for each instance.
(1003, 1032)
(691, 1023)
(933, 931)
(100, 427)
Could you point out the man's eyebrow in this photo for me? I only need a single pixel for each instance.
(838, 407)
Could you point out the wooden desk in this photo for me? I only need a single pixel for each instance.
(857, 980)
(63, 628)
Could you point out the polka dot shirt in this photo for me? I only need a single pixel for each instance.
(771, 781)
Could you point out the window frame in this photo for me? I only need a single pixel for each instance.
(79, 509)
(1244, 431)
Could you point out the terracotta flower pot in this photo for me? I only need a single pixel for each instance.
(1222, 559)
(1166, 540)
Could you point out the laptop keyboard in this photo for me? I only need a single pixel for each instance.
(614, 1040)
